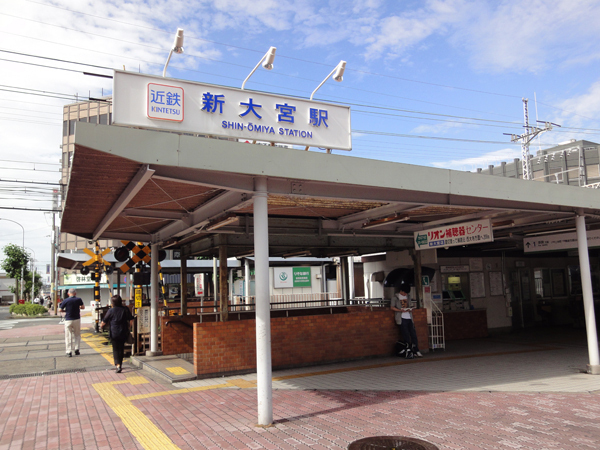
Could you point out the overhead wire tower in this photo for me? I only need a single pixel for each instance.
(530, 134)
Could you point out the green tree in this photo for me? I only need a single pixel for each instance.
(14, 263)
(37, 288)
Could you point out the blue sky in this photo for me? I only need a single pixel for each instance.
(429, 82)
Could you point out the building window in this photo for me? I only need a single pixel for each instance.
(94, 119)
(65, 160)
(71, 127)
(549, 283)
(592, 171)
(103, 119)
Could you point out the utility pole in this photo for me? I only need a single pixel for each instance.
(53, 237)
(530, 134)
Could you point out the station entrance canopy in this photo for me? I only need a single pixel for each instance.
(197, 193)
(204, 195)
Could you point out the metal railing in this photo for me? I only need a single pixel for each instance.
(283, 302)
(437, 338)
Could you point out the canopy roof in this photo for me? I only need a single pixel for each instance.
(195, 193)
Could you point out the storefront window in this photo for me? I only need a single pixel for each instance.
(549, 283)
(558, 283)
(575, 280)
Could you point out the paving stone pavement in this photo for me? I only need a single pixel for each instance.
(489, 394)
(25, 351)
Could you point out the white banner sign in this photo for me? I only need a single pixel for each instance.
(77, 278)
(475, 232)
(555, 242)
(283, 277)
(199, 284)
(183, 106)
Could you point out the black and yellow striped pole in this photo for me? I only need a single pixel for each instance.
(137, 288)
(97, 262)
(96, 275)
(162, 284)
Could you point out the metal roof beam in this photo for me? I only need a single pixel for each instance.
(139, 237)
(213, 208)
(137, 183)
(152, 214)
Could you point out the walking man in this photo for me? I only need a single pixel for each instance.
(71, 306)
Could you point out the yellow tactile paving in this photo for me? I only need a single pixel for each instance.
(178, 370)
(99, 343)
(146, 432)
(243, 384)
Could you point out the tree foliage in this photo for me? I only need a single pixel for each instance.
(15, 259)
(15, 264)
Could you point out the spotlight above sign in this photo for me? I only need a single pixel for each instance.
(188, 107)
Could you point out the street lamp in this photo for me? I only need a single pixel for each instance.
(32, 271)
(338, 75)
(267, 64)
(22, 269)
(177, 48)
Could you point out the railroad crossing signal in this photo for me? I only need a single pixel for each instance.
(96, 257)
(140, 253)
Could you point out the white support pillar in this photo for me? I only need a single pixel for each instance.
(343, 273)
(128, 289)
(588, 297)
(154, 302)
(351, 292)
(230, 285)
(215, 284)
(247, 279)
(263, 313)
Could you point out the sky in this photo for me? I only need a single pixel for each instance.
(429, 82)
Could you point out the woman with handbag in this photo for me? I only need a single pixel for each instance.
(118, 318)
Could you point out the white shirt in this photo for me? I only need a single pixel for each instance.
(405, 314)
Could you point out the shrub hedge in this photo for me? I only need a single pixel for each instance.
(27, 309)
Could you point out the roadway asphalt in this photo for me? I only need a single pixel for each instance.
(522, 391)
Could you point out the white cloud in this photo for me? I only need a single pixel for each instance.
(581, 110)
(397, 33)
(483, 161)
(529, 36)
(438, 128)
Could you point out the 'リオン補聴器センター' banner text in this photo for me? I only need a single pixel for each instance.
(475, 232)
(188, 107)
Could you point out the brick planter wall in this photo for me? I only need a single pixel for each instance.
(177, 337)
(230, 347)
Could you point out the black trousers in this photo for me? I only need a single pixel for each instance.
(407, 328)
(118, 346)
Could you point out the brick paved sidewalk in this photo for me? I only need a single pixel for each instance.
(104, 410)
(491, 400)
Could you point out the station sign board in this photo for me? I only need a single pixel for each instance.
(199, 284)
(558, 242)
(183, 106)
(291, 277)
(143, 320)
(475, 232)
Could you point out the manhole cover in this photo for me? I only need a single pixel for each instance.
(391, 443)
